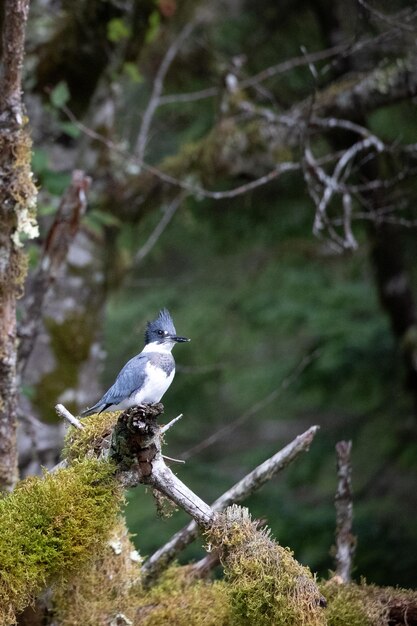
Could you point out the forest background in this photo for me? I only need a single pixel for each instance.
(252, 169)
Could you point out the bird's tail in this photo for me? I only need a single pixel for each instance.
(93, 409)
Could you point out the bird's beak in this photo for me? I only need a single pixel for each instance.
(180, 339)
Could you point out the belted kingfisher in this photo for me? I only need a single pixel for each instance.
(146, 377)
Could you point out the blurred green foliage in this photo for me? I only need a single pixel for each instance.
(257, 294)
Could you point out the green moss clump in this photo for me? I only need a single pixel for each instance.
(266, 584)
(101, 590)
(363, 605)
(180, 600)
(93, 438)
(345, 605)
(50, 526)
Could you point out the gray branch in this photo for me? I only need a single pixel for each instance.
(241, 490)
(345, 541)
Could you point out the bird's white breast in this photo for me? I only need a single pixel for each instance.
(156, 384)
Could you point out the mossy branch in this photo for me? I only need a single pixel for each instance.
(241, 490)
(52, 525)
(133, 441)
(136, 449)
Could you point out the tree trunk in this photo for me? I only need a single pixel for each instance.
(17, 202)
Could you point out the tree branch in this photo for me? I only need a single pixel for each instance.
(345, 541)
(241, 490)
(60, 236)
(65, 414)
(158, 86)
(136, 449)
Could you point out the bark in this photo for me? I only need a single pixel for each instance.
(395, 294)
(392, 277)
(65, 361)
(17, 200)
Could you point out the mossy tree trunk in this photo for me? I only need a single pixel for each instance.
(17, 200)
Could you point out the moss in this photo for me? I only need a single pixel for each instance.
(20, 187)
(345, 605)
(70, 344)
(92, 439)
(180, 601)
(266, 584)
(103, 589)
(50, 526)
(363, 605)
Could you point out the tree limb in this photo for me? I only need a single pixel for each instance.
(241, 490)
(345, 541)
(60, 236)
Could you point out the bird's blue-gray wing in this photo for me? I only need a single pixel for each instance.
(130, 378)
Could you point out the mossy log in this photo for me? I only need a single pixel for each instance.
(50, 527)
(64, 529)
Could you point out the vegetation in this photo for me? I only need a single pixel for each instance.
(251, 168)
(51, 526)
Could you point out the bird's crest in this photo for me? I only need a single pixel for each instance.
(162, 322)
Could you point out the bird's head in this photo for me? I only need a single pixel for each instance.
(162, 331)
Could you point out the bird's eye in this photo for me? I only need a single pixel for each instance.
(160, 332)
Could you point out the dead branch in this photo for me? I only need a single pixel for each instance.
(255, 408)
(65, 414)
(61, 234)
(167, 216)
(345, 541)
(158, 86)
(204, 567)
(241, 490)
(136, 449)
(170, 424)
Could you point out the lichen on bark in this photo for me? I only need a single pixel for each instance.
(17, 219)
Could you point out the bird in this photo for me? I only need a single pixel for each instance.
(146, 377)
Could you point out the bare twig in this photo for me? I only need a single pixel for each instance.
(158, 86)
(160, 227)
(345, 541)
(336, 184)
(136, 449)
(350, 241)
(64, 413)
(241, 490)
(397, 21)
(170, 424)
(204, 567)
(286, 66)
(342, 50)
(258, 406)
(252, 81)
(196, 190)
(170, 458)
(174, 98)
